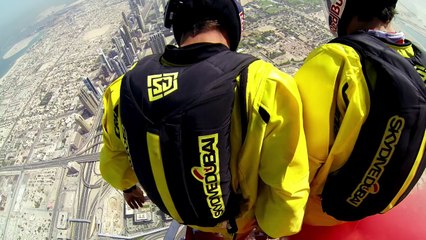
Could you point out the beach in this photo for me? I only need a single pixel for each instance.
(19, 46)
(50, 11)
(12, 69)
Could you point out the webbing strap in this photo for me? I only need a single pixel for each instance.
(243, 103)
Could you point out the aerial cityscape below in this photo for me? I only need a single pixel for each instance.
(51, 107)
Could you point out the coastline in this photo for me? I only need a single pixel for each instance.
(21, 45)
(11, 69)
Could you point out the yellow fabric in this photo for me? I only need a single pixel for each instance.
(270, 168)
(115, 165)
(155, 158)
(410, 176)
(321, 81)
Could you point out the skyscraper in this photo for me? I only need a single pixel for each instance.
(126, 22)
(90, 102)
(117, 43)
(105, 59)
(128, 58)
(132, 49)
(105, 71)
(82, 123)
(119, 68)
(141, 22)
(91, 87)
(157, 43)
(125, 35)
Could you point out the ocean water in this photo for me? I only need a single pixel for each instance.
(18, 20)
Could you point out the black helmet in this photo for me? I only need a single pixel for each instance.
(183, 14)
(340, 12)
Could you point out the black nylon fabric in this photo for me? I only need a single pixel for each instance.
(200, 106)
(389, 141)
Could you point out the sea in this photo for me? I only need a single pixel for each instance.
(18, 21)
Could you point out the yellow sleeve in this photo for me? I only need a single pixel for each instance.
(335, 105)
(283, 165)
(115, 165)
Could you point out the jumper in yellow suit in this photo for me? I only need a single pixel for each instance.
(321, 81)
(270, 167)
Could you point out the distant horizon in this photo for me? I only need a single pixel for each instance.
(18, 20)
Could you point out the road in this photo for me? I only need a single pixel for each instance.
(59, 162)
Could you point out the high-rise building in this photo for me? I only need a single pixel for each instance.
(105, 59)
(91, 87)
(90, 102)
(122, 64)
(139, 35)
(104, 71)
(127, 56)
(157, 43)
(125, 35)
(132, 49)
(119, 68)
(141, 22)
(117, 43)
(82, 123)
(126, 22)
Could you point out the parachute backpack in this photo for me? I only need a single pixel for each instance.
(389, 155)
(177, 120)
(179, 138)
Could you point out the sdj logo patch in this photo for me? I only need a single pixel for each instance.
(161, 85)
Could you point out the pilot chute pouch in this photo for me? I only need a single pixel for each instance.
(388, 157)
(177, 123)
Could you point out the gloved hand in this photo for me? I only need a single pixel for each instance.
(259, 234)
(134, 197)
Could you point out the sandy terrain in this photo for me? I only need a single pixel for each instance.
(50, 11)
(19, 46)
(96, 32)
(244, 2)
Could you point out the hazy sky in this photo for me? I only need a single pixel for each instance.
(418, 6)
(12, 10)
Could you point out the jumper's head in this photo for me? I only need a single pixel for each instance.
(185, 15)
(341, 12)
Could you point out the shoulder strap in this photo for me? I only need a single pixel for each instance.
(368, 45)
(126, 82)
(241, 61)
(243, 103)
(419, 54)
